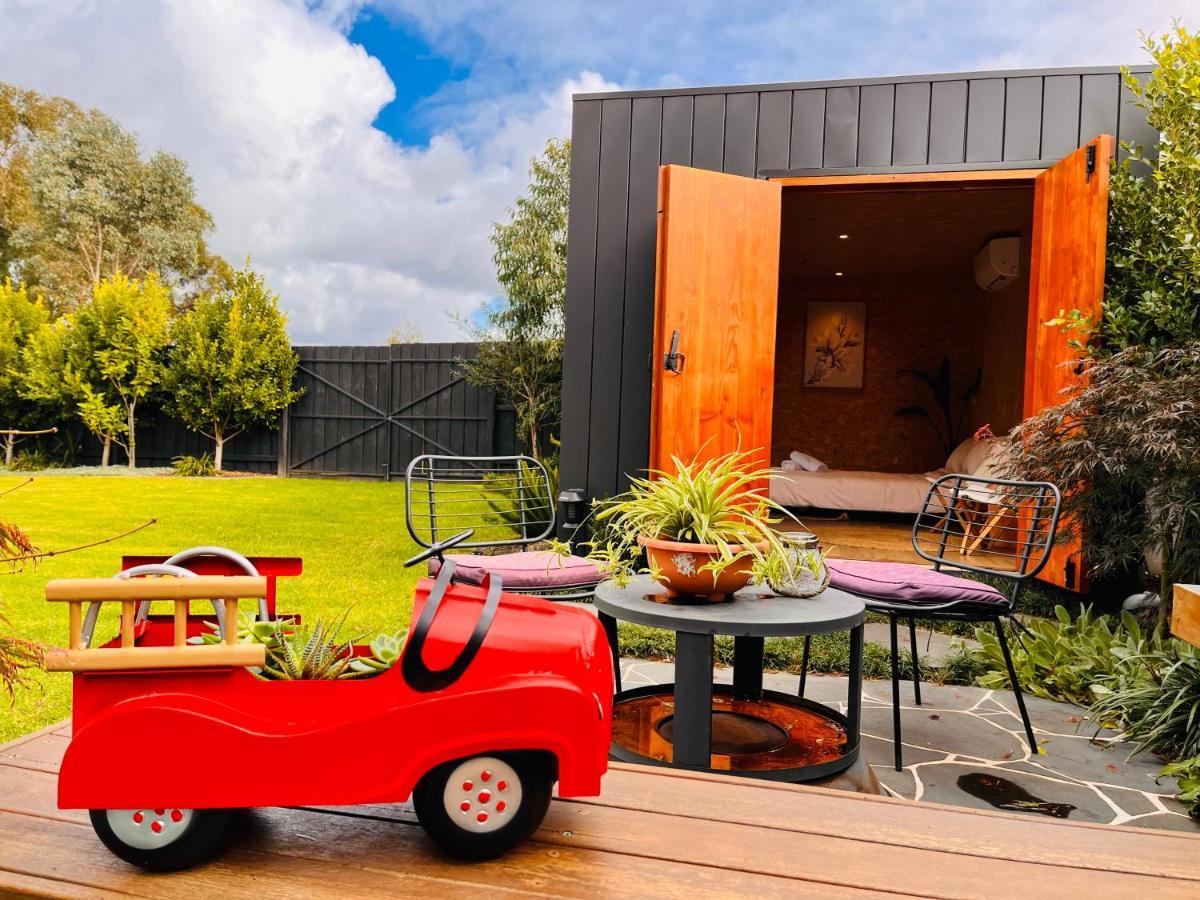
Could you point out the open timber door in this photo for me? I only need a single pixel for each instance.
(715, 303)
(1070, 218)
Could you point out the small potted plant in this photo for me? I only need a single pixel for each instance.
(703, 529)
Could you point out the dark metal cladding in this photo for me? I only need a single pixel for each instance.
(971, 120)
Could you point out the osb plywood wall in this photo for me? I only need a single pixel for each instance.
(909, 258)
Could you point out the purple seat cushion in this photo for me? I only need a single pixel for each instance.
(528, 570)
(905, 583)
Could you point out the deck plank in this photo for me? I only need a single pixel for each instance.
(653, 832)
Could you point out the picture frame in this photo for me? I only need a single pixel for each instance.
(835, 341)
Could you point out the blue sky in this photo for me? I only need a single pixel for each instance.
(360, 152)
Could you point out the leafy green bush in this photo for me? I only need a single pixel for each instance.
(1065, 659)
(1155, 699)
(201, 466)
(33, 461)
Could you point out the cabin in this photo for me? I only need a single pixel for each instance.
(773, 267)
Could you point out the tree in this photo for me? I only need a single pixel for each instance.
(104, 359)
(232, 364)
(21, 316)
(25, 118)
(1125, 451)
(1152, 280)
(520, 352)
(99, 210)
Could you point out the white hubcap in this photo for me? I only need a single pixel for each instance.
(149, 829)
(482, 794)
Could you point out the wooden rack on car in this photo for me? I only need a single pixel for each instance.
(129, 593)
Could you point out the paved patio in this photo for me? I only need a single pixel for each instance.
(968, 730)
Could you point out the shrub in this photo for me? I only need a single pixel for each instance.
(33, 461)
(200, 466)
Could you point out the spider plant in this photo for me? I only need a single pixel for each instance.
(718, 504)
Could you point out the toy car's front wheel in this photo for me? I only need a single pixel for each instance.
(161, 840)
(483, 806)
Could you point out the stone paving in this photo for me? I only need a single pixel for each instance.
(963, 731)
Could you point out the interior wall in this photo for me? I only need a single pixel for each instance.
(909, 257)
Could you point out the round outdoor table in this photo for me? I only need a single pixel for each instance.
(740, 729)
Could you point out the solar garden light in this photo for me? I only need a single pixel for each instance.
(573, 502)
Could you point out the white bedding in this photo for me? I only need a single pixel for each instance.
(853, 491)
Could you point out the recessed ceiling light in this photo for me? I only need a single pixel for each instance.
(838, 274)
(843, 236)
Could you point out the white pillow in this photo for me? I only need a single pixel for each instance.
(957, 463)
(807, 463)
(976, 457)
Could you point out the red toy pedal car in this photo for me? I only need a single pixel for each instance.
(495, 697)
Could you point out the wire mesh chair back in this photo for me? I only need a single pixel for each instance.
(507, 500)
(991, 526)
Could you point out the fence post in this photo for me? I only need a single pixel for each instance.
(282, 468)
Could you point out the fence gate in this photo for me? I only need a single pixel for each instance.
(367, 411)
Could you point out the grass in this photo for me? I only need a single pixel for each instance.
(351, 535)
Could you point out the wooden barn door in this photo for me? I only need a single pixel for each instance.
(715, 302)
(1070, 218)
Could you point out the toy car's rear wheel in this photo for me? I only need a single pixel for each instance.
(161, 840)
(483, 806)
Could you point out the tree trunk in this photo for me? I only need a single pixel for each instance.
(10, 443)
(219, 451)
(132, 445)
(106, 453)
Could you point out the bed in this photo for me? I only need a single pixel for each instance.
(893, 492)
(854, 491)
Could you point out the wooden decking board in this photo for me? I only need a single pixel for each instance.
(653, 832)
(899, 822)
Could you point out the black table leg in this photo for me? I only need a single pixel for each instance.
(747, 668)
(609, 624)
(854, 688)
(692, 738)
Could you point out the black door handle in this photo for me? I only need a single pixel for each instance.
(674, 361)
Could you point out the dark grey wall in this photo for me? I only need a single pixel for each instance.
(964, 121)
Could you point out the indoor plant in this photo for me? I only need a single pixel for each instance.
(703, 528)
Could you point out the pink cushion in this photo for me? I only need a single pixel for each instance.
(524, 571)
(906, 583)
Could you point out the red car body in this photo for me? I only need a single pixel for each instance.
(222, 738)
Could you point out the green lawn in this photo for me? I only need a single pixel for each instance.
(351, 535)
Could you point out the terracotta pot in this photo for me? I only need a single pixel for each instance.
(680, 564)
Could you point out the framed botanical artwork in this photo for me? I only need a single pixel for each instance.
(835, 345)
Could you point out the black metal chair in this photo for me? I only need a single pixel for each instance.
(1021, 519)
(508, 502)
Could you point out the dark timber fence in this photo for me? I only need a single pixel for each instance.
(365, 412)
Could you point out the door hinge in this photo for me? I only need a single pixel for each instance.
(674, 360)
(1090, 166)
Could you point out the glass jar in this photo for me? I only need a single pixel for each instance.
(807, 574)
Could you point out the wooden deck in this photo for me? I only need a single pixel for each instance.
(654, 833)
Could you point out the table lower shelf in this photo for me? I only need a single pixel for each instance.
(777, 737)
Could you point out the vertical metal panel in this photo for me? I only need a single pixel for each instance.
(910, 141)
(774, 129)
(741, 129)
(1100, 97)
(610, 288)
(985, 120)
(1022, 118)
(841, 127)
(638, 330)
(876, 109)
(808, 129)
(708, 132)
(581, 291)
(1060, 116)
(1132, 127)
(947, 121)
(677, 131)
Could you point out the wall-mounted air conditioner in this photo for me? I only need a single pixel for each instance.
(998, 263)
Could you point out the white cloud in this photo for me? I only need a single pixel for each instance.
(272, 108)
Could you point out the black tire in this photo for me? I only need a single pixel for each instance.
(536, 774)
(199, 841)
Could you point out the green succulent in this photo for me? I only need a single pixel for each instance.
(251, 630)
(385, 650)
(309, 652)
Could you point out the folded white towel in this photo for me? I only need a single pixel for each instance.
(789, 465)
(806, 462)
